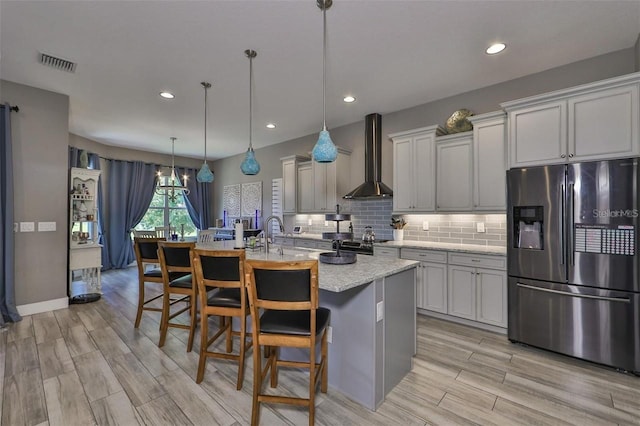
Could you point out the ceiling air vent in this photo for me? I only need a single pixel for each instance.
(57, 63)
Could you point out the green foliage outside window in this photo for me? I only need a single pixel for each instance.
(174, 215)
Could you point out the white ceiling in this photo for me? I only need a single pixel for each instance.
(391, 55)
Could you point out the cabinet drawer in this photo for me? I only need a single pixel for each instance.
(324, 245)
(305, 243)
(424, 255)
(85, 258)
(386, 252)
(478, 260)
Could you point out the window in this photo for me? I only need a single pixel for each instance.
(164, 212)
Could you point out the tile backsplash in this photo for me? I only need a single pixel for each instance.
(449, 228)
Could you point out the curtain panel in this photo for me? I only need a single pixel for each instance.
(7, 273)
(131, 189)
(198, 201)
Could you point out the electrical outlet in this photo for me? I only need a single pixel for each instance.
(46, 226)
(329, 334)
(326, 223)
(425, 225)
(27, 227)
(310, 222)
(379, 311)
(480, 227)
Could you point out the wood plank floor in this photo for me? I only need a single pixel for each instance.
(87, 365)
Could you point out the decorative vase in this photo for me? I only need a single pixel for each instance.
(398, 234)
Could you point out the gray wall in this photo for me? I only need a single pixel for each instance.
(637, 53)
(479, 101)
(40, 139)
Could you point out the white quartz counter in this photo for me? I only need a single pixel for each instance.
(335, 278)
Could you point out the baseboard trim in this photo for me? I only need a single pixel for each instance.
(464, 321)
(46, 306)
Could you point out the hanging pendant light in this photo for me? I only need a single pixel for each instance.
(204, 174)
(324, 151)
(171, 186)
(250, 165)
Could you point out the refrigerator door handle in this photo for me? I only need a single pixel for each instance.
(584, 296)
(571, 199)
(562, 224)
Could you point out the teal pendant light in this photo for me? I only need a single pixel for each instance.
(250, 165)
(324, 151)
(204, 174)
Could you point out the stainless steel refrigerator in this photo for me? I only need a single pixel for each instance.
(573, 260)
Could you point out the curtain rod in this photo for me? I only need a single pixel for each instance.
(14, 108)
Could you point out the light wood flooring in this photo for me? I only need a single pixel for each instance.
(87, 365)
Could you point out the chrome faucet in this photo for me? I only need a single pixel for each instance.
(266, 231)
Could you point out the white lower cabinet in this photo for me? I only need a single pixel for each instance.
(478, 293)
(473, 287)
(431, 285)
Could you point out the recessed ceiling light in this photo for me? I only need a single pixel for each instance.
(167, 95)
(349, 99)
(271, 126)
(495, 48)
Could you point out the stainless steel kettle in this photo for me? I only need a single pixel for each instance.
(368, 237)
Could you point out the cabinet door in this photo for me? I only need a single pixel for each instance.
(455, 170)
(492, 297)
(434, 281)
(489, 163)
(538, 135)
(305, 188)
(462, 292)
(289, 186)
(424, 173)
(604, 124)
(319, 186)
(403, 189)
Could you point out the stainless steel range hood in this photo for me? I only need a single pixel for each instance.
(372, 186)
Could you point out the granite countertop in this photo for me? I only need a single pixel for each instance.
(462, 248)
(334, 278)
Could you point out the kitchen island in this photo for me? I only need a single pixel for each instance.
(373, 320)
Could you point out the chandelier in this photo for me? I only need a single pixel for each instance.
(250, 165)
(205, 175)
(170, 185)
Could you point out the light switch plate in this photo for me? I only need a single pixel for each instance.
(310, 222)
(27, 227)
(425, 225)
(46, 226)
(329, 334)
(480, 227)
(379, 311)
(15, 227)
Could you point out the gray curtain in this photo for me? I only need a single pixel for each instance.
(94, 163)
(131, 189)
(7, 276)
(198, 201)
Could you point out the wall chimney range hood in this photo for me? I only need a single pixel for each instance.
(372, 186)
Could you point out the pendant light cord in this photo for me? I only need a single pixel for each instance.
(324, 67)
(250, 100)
(206, 86)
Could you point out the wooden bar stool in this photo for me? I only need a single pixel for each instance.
(287, 292)
(177, 278)
(146, 249)
(222, 270)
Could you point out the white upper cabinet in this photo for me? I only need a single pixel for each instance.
(322, 185)
(290, 182)
(414, 170)
(454, 160)
(489, 161)
(589, 122)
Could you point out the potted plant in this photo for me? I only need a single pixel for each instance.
(398, 224)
